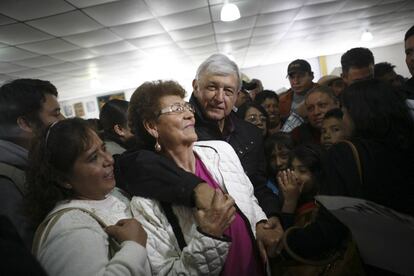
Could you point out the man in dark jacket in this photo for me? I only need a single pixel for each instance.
(215, 91)
(27, 105)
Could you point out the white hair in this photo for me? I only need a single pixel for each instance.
(219, 64)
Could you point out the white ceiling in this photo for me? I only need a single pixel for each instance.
(94, 46)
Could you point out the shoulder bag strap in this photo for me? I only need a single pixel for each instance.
(173, 220)
(356, 158)
(44, 228)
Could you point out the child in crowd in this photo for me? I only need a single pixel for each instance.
(332, 130)
(277, 149)
(299, 184)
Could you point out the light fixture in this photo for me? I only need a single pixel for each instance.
(366, 36)
(229, 12)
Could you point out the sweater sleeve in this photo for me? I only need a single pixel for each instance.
(147, 174)
(77, 245)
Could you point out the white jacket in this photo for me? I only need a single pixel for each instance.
(203, 255)
(77, 244)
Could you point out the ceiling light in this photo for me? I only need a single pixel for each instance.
(366, 36)
(229, 12)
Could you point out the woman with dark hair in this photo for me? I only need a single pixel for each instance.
(181, 240)
(382, 132)
(116, 132)
(254, 113)
(72, 191)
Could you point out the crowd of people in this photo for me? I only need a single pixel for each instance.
(224, 184)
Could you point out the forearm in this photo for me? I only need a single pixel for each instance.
(156, 177)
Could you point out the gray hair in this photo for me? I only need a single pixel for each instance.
(219, 64)
(324, 90)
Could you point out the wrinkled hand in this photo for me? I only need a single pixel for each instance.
(215, 220)
(290, 188)
(128, 230)
(268, 235)
(203, 196)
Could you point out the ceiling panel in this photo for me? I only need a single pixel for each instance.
(20, 33)
(87, 3)
(38, 61)
(6, 67)
(23, 10)
(193, 32)
(128, 11)
(12, 54)
(50, 46)
(163, 7)
(93, 38)
(185, 19)
(139, 29)
(66, 24)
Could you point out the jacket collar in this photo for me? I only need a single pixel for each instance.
(202, 121)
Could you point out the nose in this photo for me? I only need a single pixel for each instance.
(220, 95)
(108, 159)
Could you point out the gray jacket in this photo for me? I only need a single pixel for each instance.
(11, 194)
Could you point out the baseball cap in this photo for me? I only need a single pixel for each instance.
(248, 85)
(299, 65)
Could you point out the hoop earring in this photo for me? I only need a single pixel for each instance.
(157, 146)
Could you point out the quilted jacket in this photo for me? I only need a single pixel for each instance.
(203, 255)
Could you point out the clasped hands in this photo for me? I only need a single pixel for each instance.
(268, 233)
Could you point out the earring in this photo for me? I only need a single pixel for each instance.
(157, 146)
(67, 186)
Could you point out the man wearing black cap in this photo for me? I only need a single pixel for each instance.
(301, 81)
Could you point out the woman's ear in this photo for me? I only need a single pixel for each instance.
(151, 127)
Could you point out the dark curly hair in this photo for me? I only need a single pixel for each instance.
(145, 105)
(51, 161)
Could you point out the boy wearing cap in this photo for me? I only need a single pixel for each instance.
(301, 81)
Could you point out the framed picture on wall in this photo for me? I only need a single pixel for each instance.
(79, 111)
(90, 106)
(67, 110)
(103, 99)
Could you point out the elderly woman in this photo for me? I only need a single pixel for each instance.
(72, 190)
(182, 240)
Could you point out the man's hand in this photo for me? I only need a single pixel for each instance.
(203, 194)
(268, 235)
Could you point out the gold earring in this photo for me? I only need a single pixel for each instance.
(157, 146)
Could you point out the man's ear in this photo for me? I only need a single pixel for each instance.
(151, 127)
(119, 130)
(24, 124)
(195, 86)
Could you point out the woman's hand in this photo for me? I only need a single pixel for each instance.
(291, 190)
(128, 230)
(215, 220)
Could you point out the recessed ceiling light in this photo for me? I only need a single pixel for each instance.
(366, 36)
(229, 12)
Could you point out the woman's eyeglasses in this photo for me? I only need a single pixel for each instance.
(177, 108)
(256, 119)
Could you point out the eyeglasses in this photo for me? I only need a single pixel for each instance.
(256, 119)
(177, 108)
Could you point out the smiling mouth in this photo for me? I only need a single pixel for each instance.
(109, 175)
